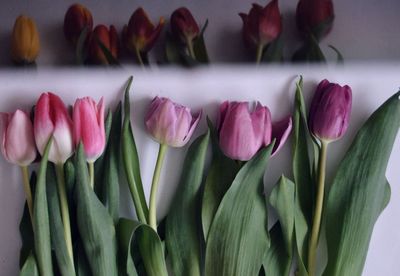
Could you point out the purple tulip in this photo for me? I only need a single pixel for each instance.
(170, 123)
(243, 132)
(16, 137)
(330, 111)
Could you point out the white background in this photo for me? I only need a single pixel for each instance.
(204, 88)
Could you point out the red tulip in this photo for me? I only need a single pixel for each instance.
(52, 119)
(89, 127)
(140, 34)
(315, 16)
(109, 38)
(16, 138)
(183, 25)
(261, 25)
(76, 19)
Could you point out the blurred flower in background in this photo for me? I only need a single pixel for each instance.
(76, 19)
(25, 44)
(103, 39)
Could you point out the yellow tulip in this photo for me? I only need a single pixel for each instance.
(25, 43)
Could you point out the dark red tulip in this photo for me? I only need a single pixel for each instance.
(109, 38)
(183, 25)
(76, 19)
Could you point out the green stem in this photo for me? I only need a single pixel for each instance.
(91, 174)
(260, 48)
(154, 186)
(28, 191)
(189, 44)
(139, 57)
(64, 208)
(313, 243)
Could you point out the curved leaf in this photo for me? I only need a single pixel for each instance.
(360, 191)
(30, 267)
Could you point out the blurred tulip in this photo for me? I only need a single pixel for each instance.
(243, 132)
(315, 16)
(25, 43)
(109, 38)
(261, 25)
(76, 19)
(52, 119)
(89, 127)
(170, 123)
(140, 34)
(183, 25)
(16, 134)
(330, 111)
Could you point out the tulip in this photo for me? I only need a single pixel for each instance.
(140, 35)
(88, 118)
(25, 43)
(243, 132)
(52, 119)
(17, 141)
(170, 124)
(109, 38)
(330, 111)
(76, 19)
(261, 26)
(315, 16)
(184, 27)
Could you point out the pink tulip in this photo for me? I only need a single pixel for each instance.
(89, 127)
(170, 123)
(16, 134)
(52, 119)
(330, 111)
(243, 132)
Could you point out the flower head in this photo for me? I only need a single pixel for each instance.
(76, 19)
(170, 123)
(109, 38)
(25, 44)
(183, 25)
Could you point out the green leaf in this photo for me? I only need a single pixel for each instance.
(340, 58)
(303, 180)
(238, 238)
(30, 267)
(81, 262)
(360, 191)
(219, 178)
(59, 245)
(150, 247)
(172, 50)
(310, 51)
(109, 56)
(274, 51)
(41, 219)
(183, 229)
(81, 51)
(96, 227)
(131, 162)
(199, 47)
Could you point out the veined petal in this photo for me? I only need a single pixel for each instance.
(280, 132)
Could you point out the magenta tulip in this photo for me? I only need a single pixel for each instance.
(330, 111)
(89, 127)
(16, 134)
(243, 132)
(52, 119)
(170, 123)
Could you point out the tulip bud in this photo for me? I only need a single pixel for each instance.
(183, 25)
(330, 111)
(109, 38)
(315, 16)
(261, 25)
(76, 19)
(52, 119)
(170, 123)
(140, 34)
(243, 132)
(16, 137)
(25, 43)
(89, 127)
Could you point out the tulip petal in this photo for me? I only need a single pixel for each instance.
(193, 124)
(280, 132)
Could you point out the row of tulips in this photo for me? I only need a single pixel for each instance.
(100, 44)
(217, 222)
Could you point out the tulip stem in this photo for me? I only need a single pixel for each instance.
(91, 174)
(259, 54)
(28, 191)
(189, 44)
(139, 57)
(313, 243)
(154, 186)
(62, 193)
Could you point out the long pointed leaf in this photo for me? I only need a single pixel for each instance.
(238, 237)
(359, 191)
(30, 267)
(183, 229)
